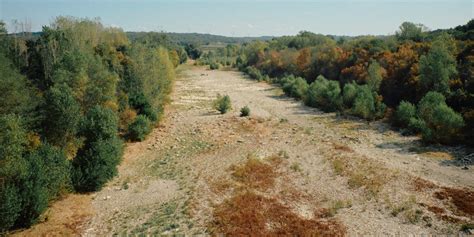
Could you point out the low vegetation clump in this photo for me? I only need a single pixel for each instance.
(405, 112)
(140, 128)
(248, 213)
(462, 199)
(214, 66)
(367, 104)
(254, 173)
(324, 94)
(361, 173)
(251, 214)
(295, 87)
(245, 111)
(433, 119)
(254, 73)
(222, 104)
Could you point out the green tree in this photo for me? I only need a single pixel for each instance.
(62, 115)
(437, 67)
(99, 123)
(3, 29)
(95, 164)
(349, 94)
(411, 31)
(16, 95)
(374, 78)
(13, 169)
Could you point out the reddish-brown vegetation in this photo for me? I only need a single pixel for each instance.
(463, 199)
(254, 174)
(250, 214)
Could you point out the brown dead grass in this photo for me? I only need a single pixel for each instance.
(421, 185)
(463, 199)
(362, 173)
(439, 155)
(64, 218)
(255, 174)
(250, 214)
(342, 147)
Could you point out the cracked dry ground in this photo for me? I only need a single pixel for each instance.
(285, 170)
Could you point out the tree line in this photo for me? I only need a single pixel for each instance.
(69, 97)
(419, 80)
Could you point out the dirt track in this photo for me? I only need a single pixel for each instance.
(365, 175)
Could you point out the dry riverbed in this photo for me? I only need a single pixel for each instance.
(286, 169)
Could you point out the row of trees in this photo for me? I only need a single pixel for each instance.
(68, 97)
(371, 76)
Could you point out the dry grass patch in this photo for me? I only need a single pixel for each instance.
(250, 214)
(463, 199)
(255, 174)
(65, 217)
(362, 173)
(422, 185)
(342, 147)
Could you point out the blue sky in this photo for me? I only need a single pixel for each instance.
(247, 17)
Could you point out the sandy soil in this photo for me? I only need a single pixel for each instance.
(373, 180)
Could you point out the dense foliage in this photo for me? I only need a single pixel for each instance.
(376, 74)
(69, 95)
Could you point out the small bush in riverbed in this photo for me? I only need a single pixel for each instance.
(244, 111)
(214, 66)
(141, 127)
(222, 104)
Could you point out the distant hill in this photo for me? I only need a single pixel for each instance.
(200, 39)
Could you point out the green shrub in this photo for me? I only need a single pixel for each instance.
(143, 106)
(96, 161)
(404, 113)
(442, 123)
(95, 164)
(349, 94)
(10, 205)
(222, 104)
(367, 104)
(13, 170)
(254, 73)
(417, 125)
(140, 128)
(244, 111)
(294, 87)
(214, 66)
(28, 180)
(55, 166)
(428, 103)
(324, 94)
